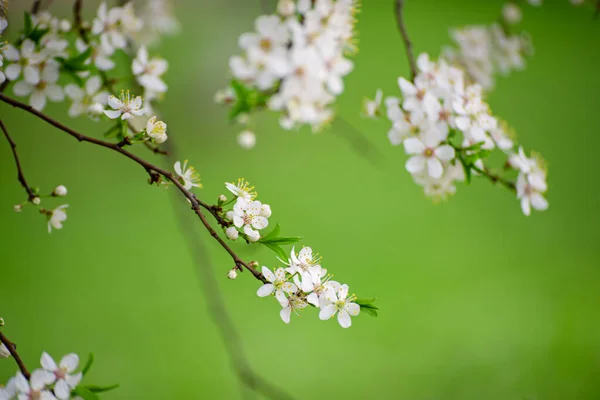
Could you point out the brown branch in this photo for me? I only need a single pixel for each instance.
(405, 37)
(20, 175)
(35, 7)
(12, 349)
(78, 19)
(149, 167)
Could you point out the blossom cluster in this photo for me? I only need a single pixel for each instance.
(52, 381)
(294, 63)
(448, 130)
(304, 282)
(484, 51)
(248, 215)
(55, 216)
(50, 47)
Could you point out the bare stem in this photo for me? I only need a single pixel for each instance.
(152, 170)
(12, 349)
(407, 42)
(20, 175)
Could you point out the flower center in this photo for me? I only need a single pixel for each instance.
(428, 152)
(41, 85)
(247, 219)
(60, 373)
(266, 44)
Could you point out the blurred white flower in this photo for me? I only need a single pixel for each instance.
(188, 176)
(56, 217)
(148, 72)
(246, 139)
(62, 374)
(89, 100)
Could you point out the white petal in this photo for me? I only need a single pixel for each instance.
(54, 93)
(413, 146)
(415, 164)
(268, 274)
(114, 102)
(526, 206)
(352, 309)
(445, 152)
(406, 87)
(344, 319)
(265, 290)
(31, 75)
(435, 168)
(22, 88)
(285, 314)
(280, 296)
(12, 71)
(37, 100)
(70, 362)
(73, 380)
(327, 312)
(61, 390)
(539, 202)
(48, 362)
(260, 222)
(112, 114)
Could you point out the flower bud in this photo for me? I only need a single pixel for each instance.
(222, 198)
(60, 191)
(229, 215)
(253, 264)
(232, 274)
(286, 8)
(4, 353)
(36, 200)
(232, 233)
(265, 211)
(246, 140)
(18, 207)
(253, 236)
(512, 13)
(1, 321)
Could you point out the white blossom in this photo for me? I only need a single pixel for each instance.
(148, 72)
(511, 13)
(294, 304)
(157, 130)
(246, 139)
(427, 152)
(250, 216)
(89, 100)
(339, 302)
(56, 217)
(45, 86)
(124, 107)
(242, 189)
(188, 176)
(62, 374)
(277, 284)
(36, 387)
(23, 61)
(371, 107)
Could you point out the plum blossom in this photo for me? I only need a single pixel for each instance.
(36, 387)
(242, 189)
(56, 217)
(339, 302)
(89, 100)
(157, 130)
(276, 283)
(429, 153)
(62, 374)
(187, 175)
(125, 107)
(250, 216)
(148, 72)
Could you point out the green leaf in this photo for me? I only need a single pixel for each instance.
(100, 389)
(278, 250)
(88, 364)
(113, 131)
(84, 393)
(273, 234)
(367, 306)
(283, 240)
(38, 33)
(28, 24)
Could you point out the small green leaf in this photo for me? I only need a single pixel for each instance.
(112, 132)
(271, 235)
(372, 312)
(278, 250)
(365, 301)
(84, 393)
(88, 364)
(28, 24)
(367, 306)
(38, 33)
(283, 240)
(100, 389)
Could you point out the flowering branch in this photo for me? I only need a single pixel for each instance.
(154, 171)
(12, 348)
(21, 177)
(35, 6)
(407, 42)
(78, 19)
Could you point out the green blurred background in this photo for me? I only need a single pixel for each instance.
(477, 301)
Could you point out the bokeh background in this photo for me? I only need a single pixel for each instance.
(477, 301)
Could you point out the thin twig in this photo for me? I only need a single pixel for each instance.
(150, 168)
(217, 309)
(78, 19)
(35, 7)
(20, 175)
(12, 349)
(496, 178)
(405, 37)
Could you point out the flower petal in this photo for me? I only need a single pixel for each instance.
(48, 362)
(70, 362)
(415, 164)
(265, 290)
(327, 312)
(344, 319)
(435, 169)
(413, 146)
(285, 314)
